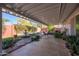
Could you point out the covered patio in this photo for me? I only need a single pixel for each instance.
(61, 15)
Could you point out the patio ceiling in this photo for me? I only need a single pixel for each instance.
(47, 13)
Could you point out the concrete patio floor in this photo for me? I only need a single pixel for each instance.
(47, 46)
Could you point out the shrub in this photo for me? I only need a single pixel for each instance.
(58, 34)
(50, 33)
(7, 42)
(72, 39)
(73, 43)
(35, 37)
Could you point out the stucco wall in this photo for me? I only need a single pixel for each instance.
(9, 31)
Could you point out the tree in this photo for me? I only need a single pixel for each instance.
(23, 22)
(19, 28)
(50, 27)
(23, 25)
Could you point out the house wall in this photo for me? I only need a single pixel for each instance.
(71, 22)
(9, 31)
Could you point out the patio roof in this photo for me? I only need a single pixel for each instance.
(47, 13)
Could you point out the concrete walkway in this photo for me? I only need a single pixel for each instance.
(47, 46)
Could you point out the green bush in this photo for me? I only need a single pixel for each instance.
(73, 43)
(35, 37)
(72, 39)
(58, 34)
(7, 42)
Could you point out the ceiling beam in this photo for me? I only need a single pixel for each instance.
(27, 15)
(39, 8)
(60, 6)
(25, 11)
(77, 6)
(44, 10)
(62, 9)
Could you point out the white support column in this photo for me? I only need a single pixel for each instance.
(67, 26)
(72, 26)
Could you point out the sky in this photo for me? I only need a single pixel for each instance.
(11, 18)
